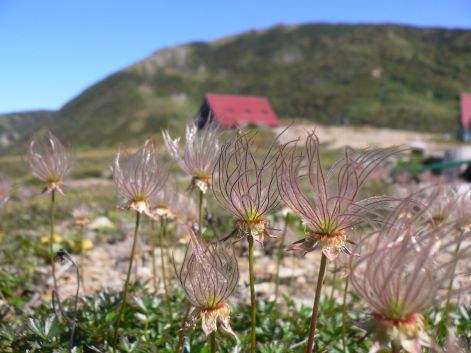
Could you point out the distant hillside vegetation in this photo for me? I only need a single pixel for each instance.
(381, 75)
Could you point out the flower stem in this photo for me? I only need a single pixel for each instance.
(332, 292)
(252, 297)
(200, 214)
(279, 257)
(344, 317)
(315, 307)
(162, 235)
(450, 285)
(52, 210)
(153, 246)
(181, 334)
(146, 333)
(212, 341)
(395, 348)
(126, 284)
(82, 257)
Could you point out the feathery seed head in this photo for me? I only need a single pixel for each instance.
(199, 155)
(173, 205)
(81, 214)
(166, 201)
(446, 204)
(335, 205)
(208, 276)
(49, 161)
(407, 270)
(140, 180)
(246, 187)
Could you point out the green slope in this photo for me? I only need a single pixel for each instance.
(16, 128)
(382, 75)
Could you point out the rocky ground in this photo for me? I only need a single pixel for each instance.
(105, 266)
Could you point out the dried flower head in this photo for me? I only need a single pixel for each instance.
(198, 156)
(246, 187)
(209, 275)
(335, 205)
(49, 161)
(166, 201)
(141, 179)
(446, 204)
(81, 215)
(174, 205)
(401, 280)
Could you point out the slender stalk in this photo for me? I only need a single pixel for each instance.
(52, 210)
(82, 257)
(252, 297)
(344, 316)
(317, 301)
(64, 255)
(146, 333)
(291, 279)
(395, 347)
(188, 308)
(181, 335)
(126, 283)
(332, 292)
(162, 235)
(154, 260)
(279, 257)
(450, 285)
(200, 213)
(212, 340)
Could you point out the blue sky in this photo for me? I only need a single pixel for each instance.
(53, 49)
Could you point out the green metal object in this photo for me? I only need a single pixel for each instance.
(434, 166)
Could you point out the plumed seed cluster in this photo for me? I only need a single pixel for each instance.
(334, 203)
(246, 187)
(199, 154)
(405, 273)
(140, 180)
(209, 274)
(49, 161)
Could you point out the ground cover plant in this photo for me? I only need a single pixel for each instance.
(192, 254)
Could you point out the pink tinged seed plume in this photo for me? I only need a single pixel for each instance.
(141, 178)
(402, 277)
(334, 204)
(209, 276)
(246, 187)
(447, 204)
(199, 154)
(49, 161)
(173, 205)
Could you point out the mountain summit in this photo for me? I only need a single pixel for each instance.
(381, 75)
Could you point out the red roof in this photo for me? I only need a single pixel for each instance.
(466, 110)
(232, 111)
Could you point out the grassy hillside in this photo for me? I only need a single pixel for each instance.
(382, 75)
(17, 127)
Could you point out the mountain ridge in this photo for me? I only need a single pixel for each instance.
(381, 75)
